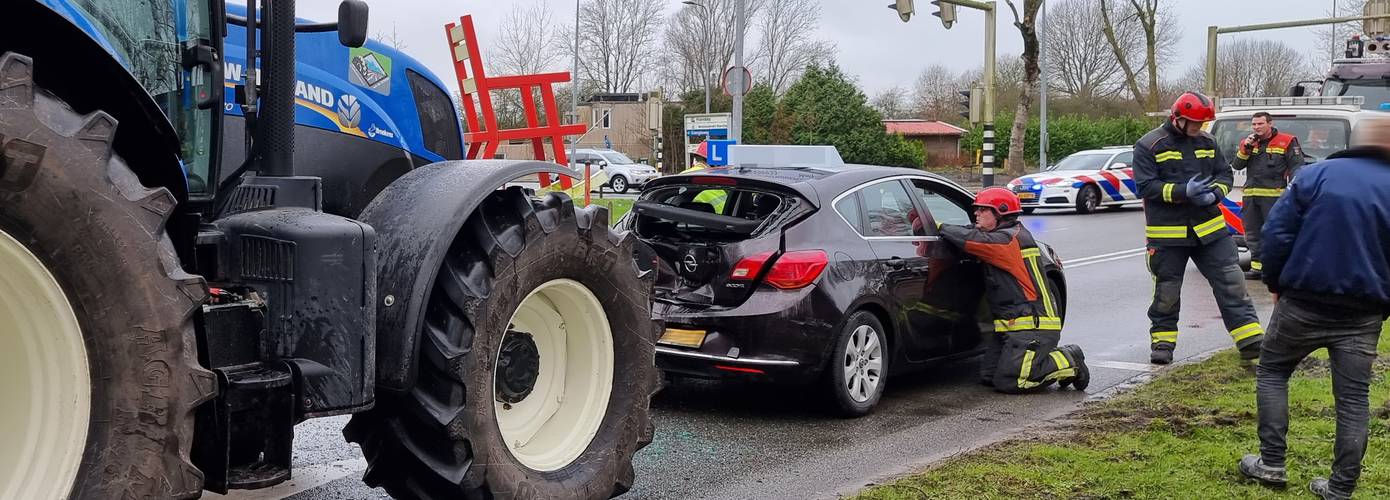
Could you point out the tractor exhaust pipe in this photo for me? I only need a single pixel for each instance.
(277, 110)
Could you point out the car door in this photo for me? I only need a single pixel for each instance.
(896, 231)
(952, 291)
(1122, 167)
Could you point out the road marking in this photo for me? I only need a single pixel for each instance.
(1097, 259)
(1125, 365)
(305, 478)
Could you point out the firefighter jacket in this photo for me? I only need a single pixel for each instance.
(1271, 163)
(1164, 160)
(1018, 295)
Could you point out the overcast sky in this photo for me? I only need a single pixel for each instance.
(874, 45)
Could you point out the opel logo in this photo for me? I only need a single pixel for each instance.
(690, 263)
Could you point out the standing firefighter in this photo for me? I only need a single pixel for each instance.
(1271, 157)
(1181, 174)
(1022, 353)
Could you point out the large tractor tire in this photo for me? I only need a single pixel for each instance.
(536, 364)
(98, 362)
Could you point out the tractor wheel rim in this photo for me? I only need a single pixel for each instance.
(44, 377)
(557, 419)
(863, 364)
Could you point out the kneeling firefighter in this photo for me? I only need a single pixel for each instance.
(1022, 353)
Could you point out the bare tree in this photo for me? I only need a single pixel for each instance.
(1027, 27)
(1332, 39)
(1251, 68)
(391, 39)
(1156, 31)
(934, 94)
(702, 38)
(892, 103)
(618, 41)
(787, 43)
(520, 50)
(1082, 64)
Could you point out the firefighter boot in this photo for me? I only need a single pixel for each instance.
(1250, 354)
(1323, 489)
(1083, 373)
(1254, 468)
(1162, 353)
(1255, 275)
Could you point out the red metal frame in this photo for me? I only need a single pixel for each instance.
(485, 135)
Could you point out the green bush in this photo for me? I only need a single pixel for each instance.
(1067, 135)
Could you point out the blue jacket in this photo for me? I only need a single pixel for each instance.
(1328, 236)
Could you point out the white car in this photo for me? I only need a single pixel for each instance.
(1085, 181)
(623, 172)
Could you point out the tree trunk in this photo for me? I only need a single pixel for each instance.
(1130, 80)
(1018, 135)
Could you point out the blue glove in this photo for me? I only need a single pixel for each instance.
(1200, 192)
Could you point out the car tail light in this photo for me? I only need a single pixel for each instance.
(740, 369)
(797, 269)
(750, 266)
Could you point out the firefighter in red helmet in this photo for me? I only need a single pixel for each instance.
(1022, 353)
(1182, 175)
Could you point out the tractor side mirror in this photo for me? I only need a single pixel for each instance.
(352, 23)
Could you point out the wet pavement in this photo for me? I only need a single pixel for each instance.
(742, 440)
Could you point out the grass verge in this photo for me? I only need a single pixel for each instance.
(616, 207)
(1177, 437)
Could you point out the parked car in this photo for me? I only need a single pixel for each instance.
(1085, 181)
(623, 172)
(829, 274)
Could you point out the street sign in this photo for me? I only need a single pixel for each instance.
(702, 127)
(737, 81)
(719, 152)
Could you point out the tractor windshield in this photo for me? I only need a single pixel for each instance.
(149, 35)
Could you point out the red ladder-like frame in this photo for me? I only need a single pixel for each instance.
(485, 135)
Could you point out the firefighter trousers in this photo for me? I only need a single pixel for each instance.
(1021, 361)
(1217, 262)
(1252, 215)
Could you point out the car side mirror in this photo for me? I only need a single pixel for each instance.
(352, 23)
(602, 164)
(1118, 165)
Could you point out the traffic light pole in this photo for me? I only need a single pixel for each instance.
(987, 163)
(1213, 31)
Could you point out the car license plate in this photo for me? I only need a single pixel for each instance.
(1026, 196)
(683, 338)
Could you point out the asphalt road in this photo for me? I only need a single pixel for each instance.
(726, 440)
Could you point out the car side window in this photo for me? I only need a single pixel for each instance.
(848, 207)
(890, 210)
(943, 209)
(1126, 158)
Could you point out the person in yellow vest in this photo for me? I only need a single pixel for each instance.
(714, 197)
(1270, 158)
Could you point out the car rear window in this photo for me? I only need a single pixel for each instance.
(737, 212)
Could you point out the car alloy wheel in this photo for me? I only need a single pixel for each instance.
(863, 364)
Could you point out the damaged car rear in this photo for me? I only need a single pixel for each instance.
(829, 274)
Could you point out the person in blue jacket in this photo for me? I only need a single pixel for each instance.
(1326, 258)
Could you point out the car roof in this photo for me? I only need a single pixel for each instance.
(817, 183)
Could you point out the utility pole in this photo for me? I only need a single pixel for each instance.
(1213, 31)
(737, 83)
(574, 93)
(1042, 87)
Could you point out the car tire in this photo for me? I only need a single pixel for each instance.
(96, 312)
(522, 273)
(619, 184)
(858, 369)
(1088, 199)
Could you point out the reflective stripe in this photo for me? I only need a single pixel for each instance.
(1270, 192)
(1246, 332)
(1042, 285)
(1210, 226)
(1164, 337)
(1242, 156)
(1061, 360)
(1274, 150)
(1167, 155)
(1168, 192)
(1026, 370)
(1256, 265)
(1061, 374)
(1204, 153)
(1225, 190)
(1032, 252)
(1023, 323)
(1165, 232)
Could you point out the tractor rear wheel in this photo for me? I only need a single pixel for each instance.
(536, 363)
(97, 353)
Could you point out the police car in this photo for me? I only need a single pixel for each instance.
(1085, 181)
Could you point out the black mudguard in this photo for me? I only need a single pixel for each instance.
(416, 219)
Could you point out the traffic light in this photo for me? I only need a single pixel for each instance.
(974, 98)
(947, 13)
(904, 8)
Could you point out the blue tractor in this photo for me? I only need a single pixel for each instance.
(217, 222)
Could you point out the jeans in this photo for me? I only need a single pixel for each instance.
(1296, 329)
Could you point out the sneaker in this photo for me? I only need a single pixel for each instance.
(1162, 353)
(1254, 275)
(1083, 373)
(1253, 467)
(1323, 489)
